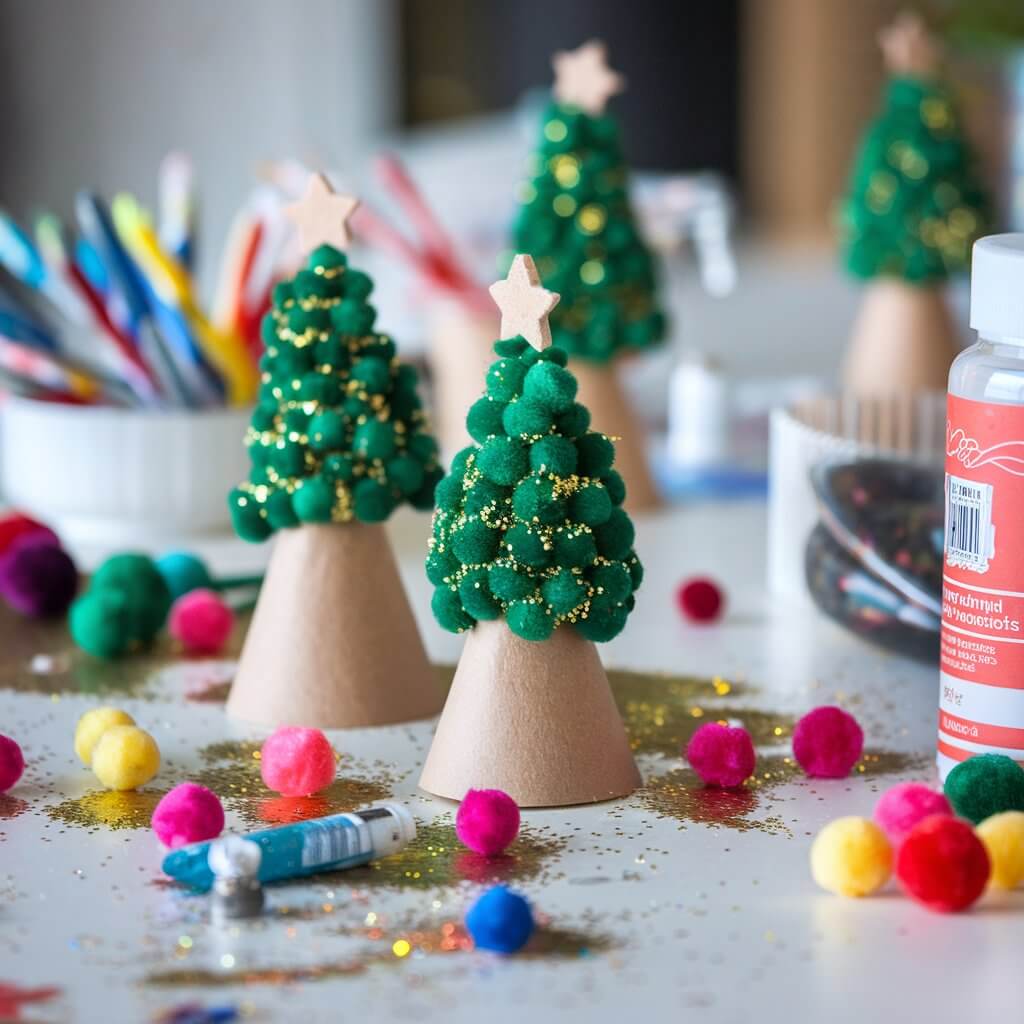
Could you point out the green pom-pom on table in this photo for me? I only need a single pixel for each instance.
(984, 785)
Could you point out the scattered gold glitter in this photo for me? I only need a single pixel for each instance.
(189, 977)
(108, 809)
(11, 806)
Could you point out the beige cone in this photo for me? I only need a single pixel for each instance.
(333, 642)
(536, 720)
(602, 393)
(902, 342)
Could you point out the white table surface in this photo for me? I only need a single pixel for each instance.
(649, 914)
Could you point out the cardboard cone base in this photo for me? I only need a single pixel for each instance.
(902, 342)
(461, 352)
(536, 720)
(333, 642)
(610, 412)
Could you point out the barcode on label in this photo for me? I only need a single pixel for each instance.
(968, 524)
(325, 844)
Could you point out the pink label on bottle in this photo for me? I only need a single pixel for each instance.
(981, 704)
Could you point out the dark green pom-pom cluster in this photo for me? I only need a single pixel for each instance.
(984, 785)
(575, 220)
(529, 524)
(338, 432)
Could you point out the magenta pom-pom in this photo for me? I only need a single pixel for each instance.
(700, 599)
(827, 743)
(190, 813)
(12, 763)
(902, 806)
(487, 821)
(722, 755)
(37, 577)
(297, 762)
(201, 621)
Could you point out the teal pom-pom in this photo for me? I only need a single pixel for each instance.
(357, 285)
(441, 566)
(448, 610)
(374, 439)
(505, 379)
(372, 502)
(512, 347)
(553, 455)
(508, 584)
(534, 500)
(101, 623)
(590, 505)
(615, 486)
(182, 572)
(984, 785)
(353, 317)
(477, 599)
(280, 511)
(475, 543)
(615, 537)
(372, 374)
(574, 423)
(249, 524)
(564, 591)
(595, 453)
(484, 419)
(526, 546)
(551, 386)
(575, 547)
(327, 431)
(530, 620)
(405, 473)
(503, 460)
(526, 418)
(314, 500)
(613, 580)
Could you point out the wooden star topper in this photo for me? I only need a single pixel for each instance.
(908, 47)
(583, 78)
(322, 216)
(524, 304)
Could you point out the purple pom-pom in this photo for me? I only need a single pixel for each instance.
(37, 576)
(722, 755)
(190, 813)
(487, 821)
(827, 743)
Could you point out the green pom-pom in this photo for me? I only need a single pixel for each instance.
(137, 577)
(353, 317)
(330, 352)
(615, 486)
(356, 284)
(483, 495)
(302, 320)
(338, 468)
(573, 423)
(505, 379)
(382, 347)
(526, 546)
(374, 439)
(530, 620)
(984, 785)
(423, 499)
(574, 548)
(596, 453)
(534, 500)
(553, 455)
(249, 524)
(615, 537)
(475, 543)
(327, 431)
(551, 386)
(476, 596)
(613, 580)
(372, 501)
(448, 493)
(512, 347)
(422, 446)
(310, 285)
(280, 511)
(508, 584)
(314, 500)
(101, 623)
(372, 374)
(287, 457)
(405, 473)
(484, 419)
(636, 571)
(291, 361)
(526, 418)
(268, 330)
(282, 294)
(564, 591)
(263, 416)
(602, 623)
(317, 387)
(448, 610)
(326, 257)
(441, 566)
(590, 505)
(503, 460)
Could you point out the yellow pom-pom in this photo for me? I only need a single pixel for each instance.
(1003, 836)
(92, 725)
(125, 757)
(851, 857)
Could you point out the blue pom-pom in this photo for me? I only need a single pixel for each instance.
(183, 572)
(501, 920)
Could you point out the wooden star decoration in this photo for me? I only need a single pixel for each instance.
(524, 304)
(583, 78)
(322, 215)
(908, 47)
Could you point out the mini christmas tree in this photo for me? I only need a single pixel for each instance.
(912, 213)
(337, 441)
(532, 553)
(577, 223)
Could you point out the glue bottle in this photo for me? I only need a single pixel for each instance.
(981, 697)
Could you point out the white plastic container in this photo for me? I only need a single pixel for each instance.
(121, 477)
(981, 695)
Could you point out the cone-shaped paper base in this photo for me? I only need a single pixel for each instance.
(610, 412)
(902, 342)
(461, 351)
(536, 720)
(333, 642)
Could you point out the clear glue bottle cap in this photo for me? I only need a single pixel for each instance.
(997, 288)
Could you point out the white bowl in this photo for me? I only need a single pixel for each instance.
(121, 477)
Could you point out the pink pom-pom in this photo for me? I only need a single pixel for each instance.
(902, 806)
(487, 821)
(12, 763)
(297, 762)
(190, 813)
(201, 621)
(722, 755)
(700, 599)
(827, 743)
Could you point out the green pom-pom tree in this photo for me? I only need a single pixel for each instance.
(338, 432)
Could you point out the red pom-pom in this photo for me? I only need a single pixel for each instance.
(12, 763)
(487, 821)
(722, 755)
(943, 864)
(202, 621)
(700, 599)
(827, 743)
(297, 762)
(16, 525)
